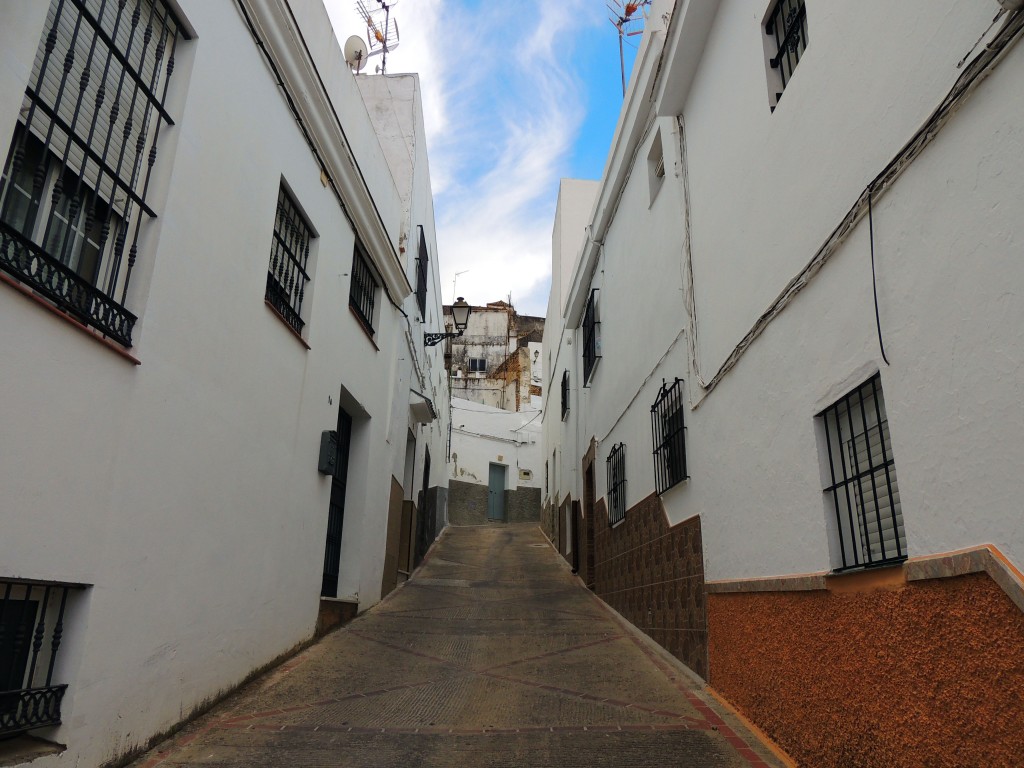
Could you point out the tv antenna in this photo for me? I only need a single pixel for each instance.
(628, 24)
(381, 29)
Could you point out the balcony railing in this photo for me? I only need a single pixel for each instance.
(31, 630)
(32, 266)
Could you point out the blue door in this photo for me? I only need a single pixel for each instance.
(496, 493)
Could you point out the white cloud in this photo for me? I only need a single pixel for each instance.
(502, 110)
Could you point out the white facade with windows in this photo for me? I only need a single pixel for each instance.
(744, 246)
(684, 279)
(166, 382)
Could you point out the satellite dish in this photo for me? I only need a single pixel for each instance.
(355, 53)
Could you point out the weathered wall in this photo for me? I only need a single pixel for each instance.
(926, 674)
(482, 435)
(467, 504)
(653, 574)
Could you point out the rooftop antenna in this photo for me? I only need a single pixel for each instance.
(381, 29)
(628, 24)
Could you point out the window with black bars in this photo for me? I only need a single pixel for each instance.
(363, 288)
(422, 270)
(786, 28)
(591, 337)
(616, 466)
(565, 394)
(863, 491)
(75, 182)
(31, 628)
(289, 262)
(669, 434)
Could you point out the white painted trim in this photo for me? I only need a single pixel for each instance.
(276, 26)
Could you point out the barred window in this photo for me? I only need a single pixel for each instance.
(863, 491)
(363, 288)
(422, 271)
(289, 261)
(669, 432)
(32, 616)
(616, 466)
(76, 177)
(785, 41)
(591, 337)
(565, 394)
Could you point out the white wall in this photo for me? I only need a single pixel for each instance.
(185, 489)
(483, 435)
(766, 190)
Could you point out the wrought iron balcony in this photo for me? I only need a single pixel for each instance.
(32, 266)
(31, 629)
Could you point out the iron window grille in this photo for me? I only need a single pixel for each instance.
(364, 286)
(864, 492)
(786, 28)
(565, 394)
(289, 260)
(31, 628)
(616, 466)
(669, 434)
(74, 185)
(591, 337)
(422, 269)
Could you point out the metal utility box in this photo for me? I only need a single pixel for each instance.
(328, 452)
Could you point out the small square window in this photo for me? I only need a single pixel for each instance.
(785, 39)
(655, 167)
(364, 287)
(863, 491)
(565, 394)
(616, 466)
(477, 365)
(669, 433)
(288, 274)
(591, 337)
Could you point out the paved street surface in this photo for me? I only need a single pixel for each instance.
(493, 655)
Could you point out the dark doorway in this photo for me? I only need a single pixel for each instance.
(336, 512)
(589, 511)
(426, 524)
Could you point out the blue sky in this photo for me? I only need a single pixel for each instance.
(516, 96)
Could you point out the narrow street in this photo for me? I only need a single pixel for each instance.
(492, 655)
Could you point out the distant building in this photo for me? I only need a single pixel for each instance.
(497, 361)
(496, 464)
(221, 427)
(785, 364)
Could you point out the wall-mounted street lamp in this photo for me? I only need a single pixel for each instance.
(460, 314)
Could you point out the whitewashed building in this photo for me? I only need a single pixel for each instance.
(786, 328)
(495, 360)
(496, 465)
(221, 424)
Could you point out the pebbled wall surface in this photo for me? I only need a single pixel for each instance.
(929, 674)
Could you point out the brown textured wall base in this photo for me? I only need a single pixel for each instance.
(929, 674)
(333, 613)
(653, 575)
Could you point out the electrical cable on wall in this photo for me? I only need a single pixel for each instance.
(979, 68)
(874, 278)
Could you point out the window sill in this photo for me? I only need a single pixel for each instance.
(286, 324)
(365, 328)
(25, 749)
(28, 293)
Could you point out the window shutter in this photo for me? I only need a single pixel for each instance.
(122, 98)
